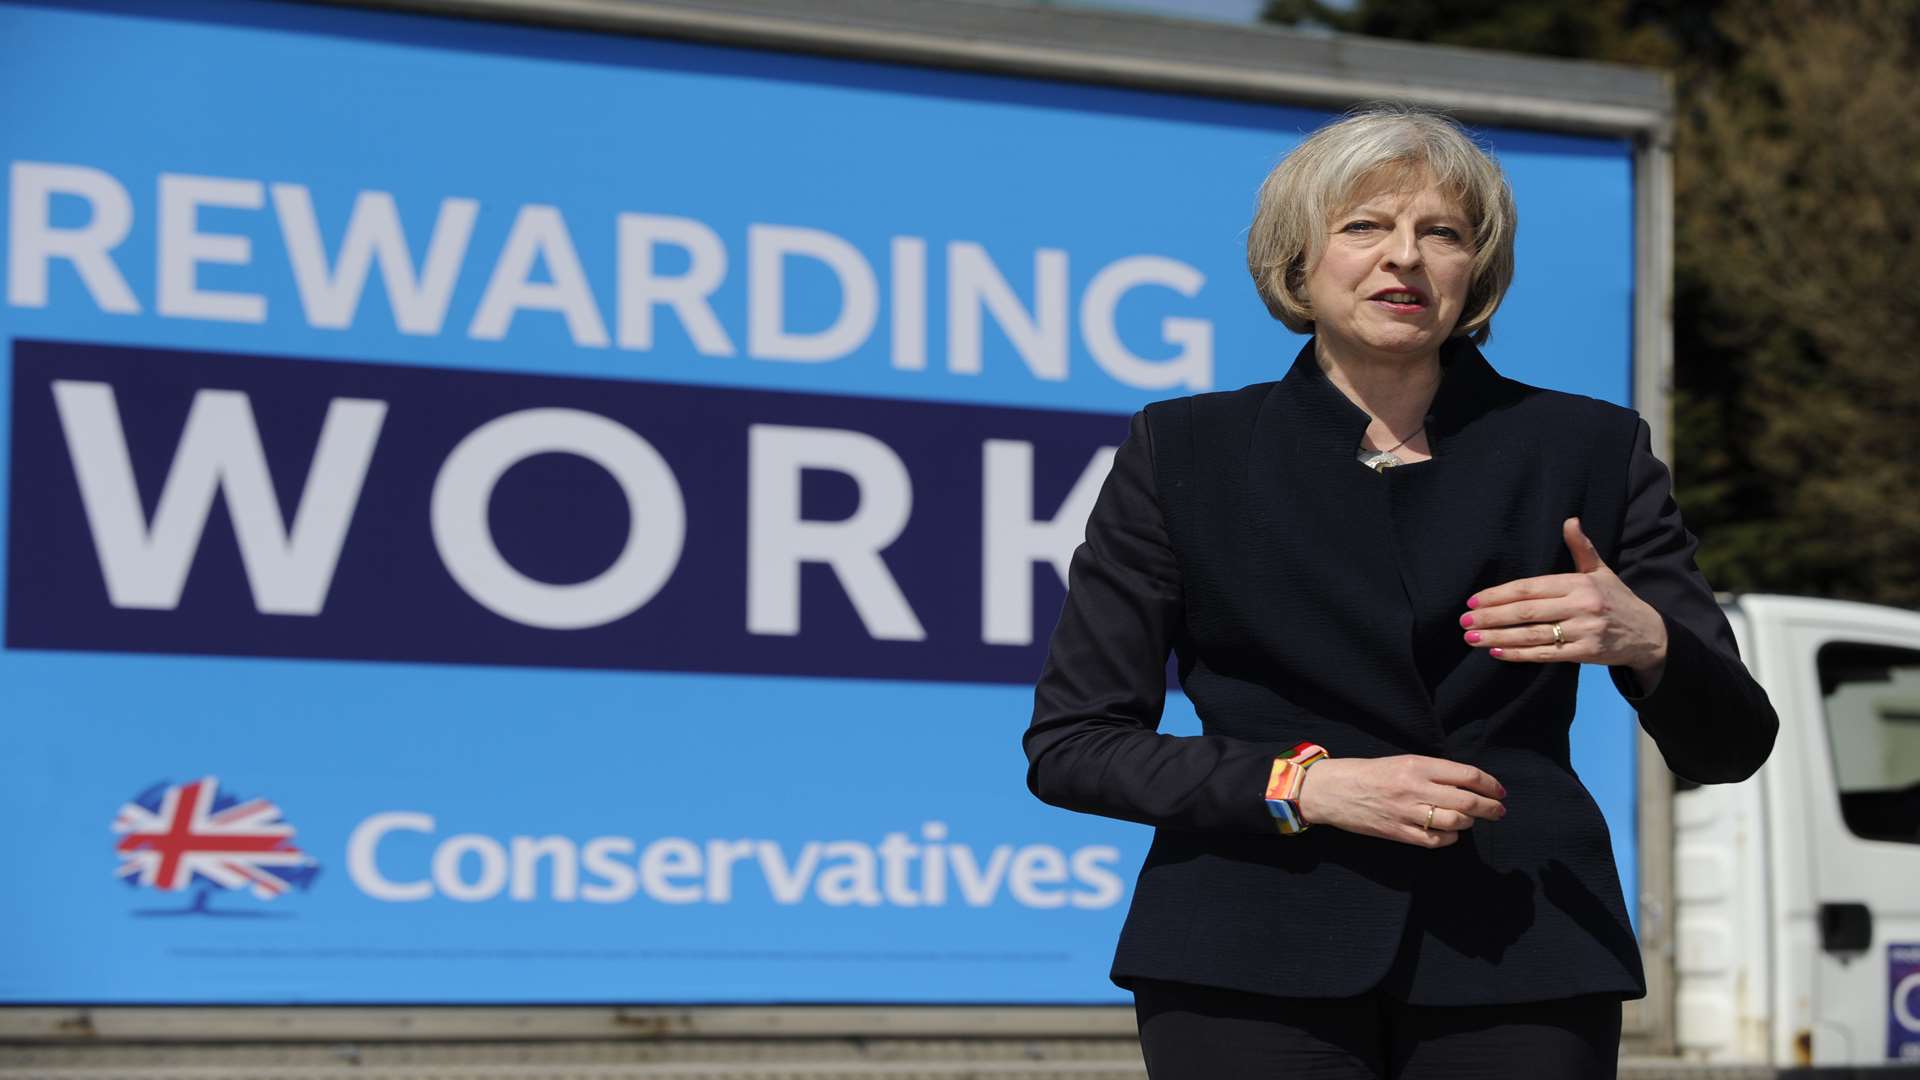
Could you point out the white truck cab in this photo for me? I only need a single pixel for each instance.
(1797, 892)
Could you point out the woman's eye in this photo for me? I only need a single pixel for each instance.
(1356, 226)
(1445, 232)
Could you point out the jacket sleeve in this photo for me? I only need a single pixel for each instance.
(1094, 744)
(1712, 721)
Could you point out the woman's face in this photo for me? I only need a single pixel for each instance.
(1395, 273)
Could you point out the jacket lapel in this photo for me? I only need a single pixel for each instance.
(1400, 549)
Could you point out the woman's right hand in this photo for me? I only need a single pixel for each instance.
(1388, 797)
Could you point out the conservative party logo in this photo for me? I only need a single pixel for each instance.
(195, 837)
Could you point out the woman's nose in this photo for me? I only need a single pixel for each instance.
(1402, 250)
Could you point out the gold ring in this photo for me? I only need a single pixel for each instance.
(1559, 637)
(1429, 825)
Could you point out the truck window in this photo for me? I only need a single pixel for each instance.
(1871, 695)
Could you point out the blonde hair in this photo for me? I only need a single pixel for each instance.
(1373, 149)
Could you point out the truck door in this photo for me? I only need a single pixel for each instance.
(1861, 773)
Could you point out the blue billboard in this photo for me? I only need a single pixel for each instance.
(505, 515)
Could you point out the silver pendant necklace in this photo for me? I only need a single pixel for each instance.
(1382, 460)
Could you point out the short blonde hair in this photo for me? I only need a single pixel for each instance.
(1373, 149)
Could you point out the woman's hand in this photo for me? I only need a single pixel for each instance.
(1388, 797)
(1601, 620)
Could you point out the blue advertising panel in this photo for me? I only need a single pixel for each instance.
(507, 515)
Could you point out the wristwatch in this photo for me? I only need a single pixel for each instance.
(1284, 784)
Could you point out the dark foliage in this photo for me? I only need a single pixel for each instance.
(1797, 176)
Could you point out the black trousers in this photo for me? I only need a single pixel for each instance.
(1205, 1033)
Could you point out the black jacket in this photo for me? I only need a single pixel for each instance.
(1307, 597)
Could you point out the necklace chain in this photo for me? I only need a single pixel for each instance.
(1381, 460)
(1403, 442)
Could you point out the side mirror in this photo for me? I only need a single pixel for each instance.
(1845, 928)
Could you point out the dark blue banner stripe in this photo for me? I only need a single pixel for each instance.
(555, 518)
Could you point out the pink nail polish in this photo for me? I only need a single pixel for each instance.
(1497, 651)
(1473, 636)
(1473, 601)
(1466, 620)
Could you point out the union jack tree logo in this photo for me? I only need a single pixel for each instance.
(176, 836)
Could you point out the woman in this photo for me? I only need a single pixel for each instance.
(1379, 576)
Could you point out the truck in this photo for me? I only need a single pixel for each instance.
(475, 466)
(1795, 893)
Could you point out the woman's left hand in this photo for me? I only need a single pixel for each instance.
(1601, 620)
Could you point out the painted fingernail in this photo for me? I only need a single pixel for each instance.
(1473, 601)
(1497, 651)
(1473, 636)
(1503, 792)
(1466, 620)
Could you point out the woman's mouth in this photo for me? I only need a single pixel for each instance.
(1400, 301)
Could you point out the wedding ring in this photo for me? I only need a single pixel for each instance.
(1559, 637)
(1429, 825)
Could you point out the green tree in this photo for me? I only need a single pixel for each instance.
(1797, 190)
(1658, 33)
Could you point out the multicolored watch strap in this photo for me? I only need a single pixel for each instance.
(1284, 783)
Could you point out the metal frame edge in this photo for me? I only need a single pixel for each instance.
(1650, 1023)
(1124, 49)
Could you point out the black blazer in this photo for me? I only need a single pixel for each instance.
(1307, 597)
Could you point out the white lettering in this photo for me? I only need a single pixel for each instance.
(1034, 866)
(183, 247)
(933, 888)
(768, 247)
(331, 297)
(852, 882)
(1905, 992)
(527, 853)
(641, 289)
(473, 868)
(1039, 326)
(363, 849)
(1089, 867)
(446, 868)
(1013, 539)
(909, 274)
(33, 241)
(539, 232)
(666, 859)
(896, 851)
(601, 856)
(788, 883)
(1192, 366)
(721, 855)
(289, 570)
(655, 533)
(779, 541)
(1039, 338)
(977, 885)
